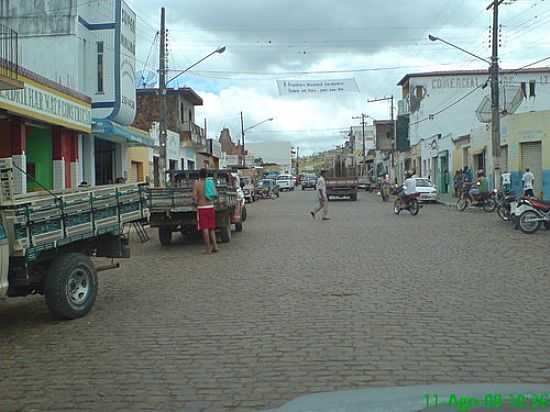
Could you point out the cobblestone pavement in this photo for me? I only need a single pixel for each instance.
(292, 306)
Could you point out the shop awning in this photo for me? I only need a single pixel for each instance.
(106, 129)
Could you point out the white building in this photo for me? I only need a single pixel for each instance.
(443, 106)
(88, 46)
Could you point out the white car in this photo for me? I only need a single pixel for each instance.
(285, 182)
(428, 192)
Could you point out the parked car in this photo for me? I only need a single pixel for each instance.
(428, 192)
(365, 183)
(285, 182)
(309, 182)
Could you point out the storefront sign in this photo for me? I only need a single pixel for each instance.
(126, 28)
(316, 87)
(40, 104)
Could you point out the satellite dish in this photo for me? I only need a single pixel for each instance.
(509, 102)
(145, 79)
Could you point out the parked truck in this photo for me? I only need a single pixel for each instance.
(48, 240)
(342, 177)
(173, 209)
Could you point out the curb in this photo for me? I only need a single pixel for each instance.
(447, 204)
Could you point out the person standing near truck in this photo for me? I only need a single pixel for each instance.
(323, 199)
(206, 213)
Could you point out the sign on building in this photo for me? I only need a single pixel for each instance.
(316, 87)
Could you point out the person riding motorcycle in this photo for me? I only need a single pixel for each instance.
(481, 188)
(409, 187)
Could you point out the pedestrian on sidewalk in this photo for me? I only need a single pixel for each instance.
(206, 213)
(458, 181)
(323, 199)
(528, 180)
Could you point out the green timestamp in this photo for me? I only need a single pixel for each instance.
(464, 403)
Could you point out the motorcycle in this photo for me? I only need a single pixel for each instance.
(485, 201)
(504, 205)
(409, 202)
(534, 214)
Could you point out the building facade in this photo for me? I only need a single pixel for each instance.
(180, 119)
(88, 47)
(442, 107)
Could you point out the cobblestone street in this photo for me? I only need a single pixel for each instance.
(292, 306)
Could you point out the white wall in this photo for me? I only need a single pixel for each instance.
(440, 91)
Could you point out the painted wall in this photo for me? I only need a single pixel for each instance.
(427, 95)
(141, 155)
(39, 152)
(523, 128)
(63, 48)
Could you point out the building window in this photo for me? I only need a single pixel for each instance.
(418, 92)
(100, 67)
(182, 112)
(524, 90)
(190, 116)
(532, 88)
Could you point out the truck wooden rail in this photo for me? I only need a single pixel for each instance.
(173, 210)
(47, 240)
(342, 178)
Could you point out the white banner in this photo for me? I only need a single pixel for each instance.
(316, 87)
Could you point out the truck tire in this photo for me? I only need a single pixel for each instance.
(238, 227)
(165, 236)
(71, 286)
(244, 215)
(353, 197)
(225, 233)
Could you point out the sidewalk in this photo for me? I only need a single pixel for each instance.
(447, 199)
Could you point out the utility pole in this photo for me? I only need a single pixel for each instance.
(363, 123)
(242, 136)
(495, 95)
(297, 161)
(162, 90)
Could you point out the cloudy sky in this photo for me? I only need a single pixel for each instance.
(375, 42)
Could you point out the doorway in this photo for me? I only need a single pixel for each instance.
(104, 161)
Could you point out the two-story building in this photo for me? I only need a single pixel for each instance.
(444, 110)
(88, 47)
(180, 118)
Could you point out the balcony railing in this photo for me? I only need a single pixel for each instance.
(9, 55)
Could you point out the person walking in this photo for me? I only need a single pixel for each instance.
(528, 180)
(458, 182)
(206, 213)
(323, 199)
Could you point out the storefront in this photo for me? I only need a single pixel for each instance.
(42, 126)
(107, 152)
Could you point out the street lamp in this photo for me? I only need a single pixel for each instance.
(495, 104)
(163, 109)
(243, 130)
(219, 50)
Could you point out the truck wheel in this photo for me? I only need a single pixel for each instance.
(225, 233)
(238, 227)
(71, 286)
(353, 197)
(244, 215)
(165, 236)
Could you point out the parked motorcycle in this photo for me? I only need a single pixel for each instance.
(409, 202)
(535, 213)
(504, 205)
(485, 201)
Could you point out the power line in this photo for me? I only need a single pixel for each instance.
(431, 116)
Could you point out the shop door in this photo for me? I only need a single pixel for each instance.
(39, 159)
(444, 174)
(104, 162)
(156, 171)
(531, 157)
(136, 172)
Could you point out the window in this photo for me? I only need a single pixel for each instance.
(532, 88)
(182, 113)
(418, 92)
(190, 116)
(523, 90)
(100, 67)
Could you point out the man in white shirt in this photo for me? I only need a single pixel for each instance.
(528, 180)
(323, 199)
